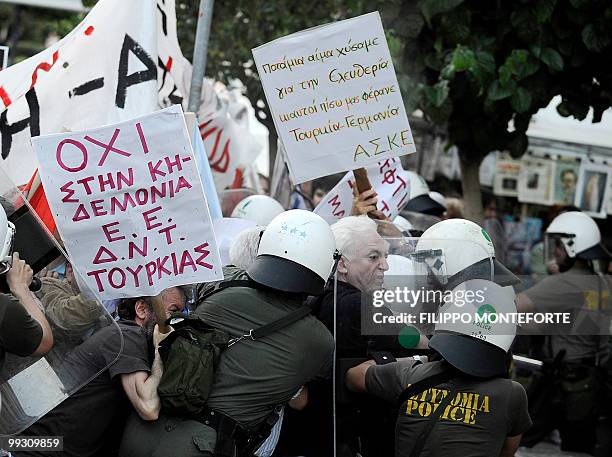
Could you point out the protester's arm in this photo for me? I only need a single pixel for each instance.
(18, 279)
(68, 310)
(510, 446)
(365, 203)
(355, 377)
(141, 387)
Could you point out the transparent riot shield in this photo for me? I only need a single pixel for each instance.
(30, 385)
(397, 291)
(231, 197)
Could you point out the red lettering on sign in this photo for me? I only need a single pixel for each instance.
(201, 249)
(110, 257)
(80, 146)
(149, 219)
(106, 228)
(44, 66)
(69, 193)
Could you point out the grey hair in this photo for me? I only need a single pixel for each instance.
(243, 249)
(349, 230)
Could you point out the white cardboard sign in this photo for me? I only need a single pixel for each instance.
(129, 205)
(389, 180)
(334, 97)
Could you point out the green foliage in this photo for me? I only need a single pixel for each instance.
(480, 65)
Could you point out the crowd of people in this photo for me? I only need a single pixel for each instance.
(281, 356)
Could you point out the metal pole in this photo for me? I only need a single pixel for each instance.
(199, 53)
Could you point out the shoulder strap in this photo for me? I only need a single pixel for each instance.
(283, 322)
(424, 384)
(266, 329)
(419, 387)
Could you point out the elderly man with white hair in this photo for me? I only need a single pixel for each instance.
(361, 425)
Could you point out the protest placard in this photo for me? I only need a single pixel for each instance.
(118, 63)
(129, 205)
(388, 179)
(334, 97)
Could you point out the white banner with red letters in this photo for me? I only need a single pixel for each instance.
(113, 66)
(129, 205)
(388, 179)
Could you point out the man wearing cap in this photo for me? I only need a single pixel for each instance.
(573, 394)
(460, 404)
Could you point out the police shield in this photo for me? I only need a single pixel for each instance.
(31, 386)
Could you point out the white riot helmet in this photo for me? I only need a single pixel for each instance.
(260, 209)
(296, 253)
(475, 332)
(578, 234)
(7, 235)
(420, 201)
(438, 197)
(456, 250)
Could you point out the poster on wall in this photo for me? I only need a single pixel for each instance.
(593, 189)
(535, 181)
(565, 180)
(505, 180)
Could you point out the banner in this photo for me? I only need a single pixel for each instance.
(105, 71)
(593, 189)
(388, 179)
(334, 97)
(129, 205)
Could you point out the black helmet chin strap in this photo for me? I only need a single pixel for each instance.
(337, 257)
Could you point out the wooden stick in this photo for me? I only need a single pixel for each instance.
(361, 180)
(160, 314)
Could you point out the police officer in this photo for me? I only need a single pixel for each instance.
(24, 330)
(460, 404)
(260, 209)
(254, 376)
(574, 394)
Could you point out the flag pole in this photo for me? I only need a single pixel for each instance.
(200, 50)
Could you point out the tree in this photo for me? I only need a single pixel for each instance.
(484, 68)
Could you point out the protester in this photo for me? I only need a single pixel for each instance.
(71, 312)
(570, 393)
(24, 330)
(254, 378)
(91, 420)
(460, 404)
(363, 262)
